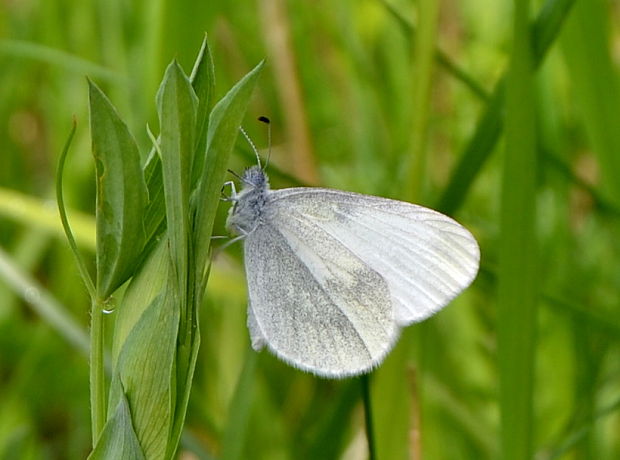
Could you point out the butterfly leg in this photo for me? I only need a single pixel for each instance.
(230, 242)
(236, 238)
(233, 192)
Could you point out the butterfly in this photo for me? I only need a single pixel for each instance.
(334, 276)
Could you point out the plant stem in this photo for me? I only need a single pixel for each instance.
(368, 416)
(97, 374)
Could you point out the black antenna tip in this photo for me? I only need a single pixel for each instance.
(264, 119)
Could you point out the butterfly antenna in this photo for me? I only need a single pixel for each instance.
(247, 138)
(268, 123)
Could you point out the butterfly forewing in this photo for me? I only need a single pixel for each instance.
(424, 257)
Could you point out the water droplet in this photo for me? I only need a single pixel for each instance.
(109, 307)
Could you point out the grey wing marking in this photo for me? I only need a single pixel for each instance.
(314, 303)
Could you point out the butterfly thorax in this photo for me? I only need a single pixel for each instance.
(245, 215)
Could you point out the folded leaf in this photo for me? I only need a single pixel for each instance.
(121, 195)
(145, 374)
(118, 439)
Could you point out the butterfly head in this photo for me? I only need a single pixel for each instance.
(255, 178)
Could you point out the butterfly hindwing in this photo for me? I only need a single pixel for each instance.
(314, 303)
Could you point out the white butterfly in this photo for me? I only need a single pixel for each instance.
(333, 276)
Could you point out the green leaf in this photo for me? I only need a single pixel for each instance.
(65, 220)
(148, 283)
(118, 439)
(155, 213)
(177, 103)
(185, 372)
(145, 373)
(203, 82)
(224, 123)
(121, 195)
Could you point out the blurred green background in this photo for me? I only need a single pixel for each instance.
(525, 363)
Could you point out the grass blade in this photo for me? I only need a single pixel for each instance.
(517, 287)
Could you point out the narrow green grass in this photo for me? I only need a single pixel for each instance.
(518, 249)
